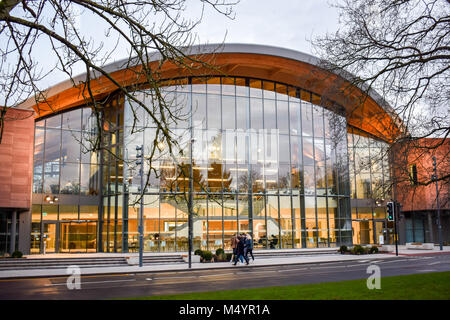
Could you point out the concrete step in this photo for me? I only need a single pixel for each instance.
(58, 263)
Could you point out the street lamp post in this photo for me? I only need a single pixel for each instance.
(435, 178)
(191, 201)
(141, 215)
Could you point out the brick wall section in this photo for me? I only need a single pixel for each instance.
(422, 197)
(16, 159)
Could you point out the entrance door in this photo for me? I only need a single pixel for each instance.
(78, 236)
(380, 232)
(49, 238)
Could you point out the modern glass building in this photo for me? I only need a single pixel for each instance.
(278, 151)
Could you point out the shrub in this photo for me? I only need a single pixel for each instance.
(373, 250)
(207, 255)
(358, 250)
(219, 251)
(16, 254)
(198, 252)
(343, 249)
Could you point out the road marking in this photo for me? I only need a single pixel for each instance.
(185, 277)
(430, 264)
(217, 275)
(292, 269)
(354, 265)
(89, 282)
(393, 261)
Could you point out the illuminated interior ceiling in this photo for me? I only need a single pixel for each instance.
(263, 62)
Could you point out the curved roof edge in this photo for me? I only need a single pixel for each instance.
(211, 48)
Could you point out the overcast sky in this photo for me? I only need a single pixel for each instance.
(283, 23)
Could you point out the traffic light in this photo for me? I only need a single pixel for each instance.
(391, 211)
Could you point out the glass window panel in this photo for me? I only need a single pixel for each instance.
(308, 151)
(199, 85)
(214, 120)
(294, 115)
(151, 205)
(72, 120)
(89, 179)
(307, 119)
(37, 176)
(259, 233)
(270, 115)
(199, 111)
(282, 92)
(309, 182)
(284, 177)
(296, 154)
(228, 112)
(68, 212)
(305, 95)
(241, 88)
(88, 212)
(256, 113)
(70, 183)
(242, 207)
(283, 149)
(228, 87)
(282, 117)
(53, 122)
(49, 212)
(213, 85)
(255, 88)
(242, 105)
(377, 186)
(319, 152)
(257, 178)
(311, 233)
(310, 208)
(229, 205)
(183, 109)
(318, 121)
(363, 186)
(70, 146)
(52, 145)
(39, 135)
(320, 181)
(269, 90)
(51, 177)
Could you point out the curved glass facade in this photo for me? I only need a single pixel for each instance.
(267, 159)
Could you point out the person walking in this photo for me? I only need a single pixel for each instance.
(240, 250)
(249, 246)
(234, 242)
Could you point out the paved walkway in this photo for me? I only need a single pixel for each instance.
(259, 262)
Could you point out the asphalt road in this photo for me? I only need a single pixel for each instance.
(119, 286)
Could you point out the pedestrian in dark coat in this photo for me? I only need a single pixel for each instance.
(241, 250)
(249, 246)
(234, 242)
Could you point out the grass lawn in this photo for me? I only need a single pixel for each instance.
(435, 286)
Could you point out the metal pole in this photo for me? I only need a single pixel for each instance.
(191, 200)
(396, 215)
(141, 215)
(437, 204)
